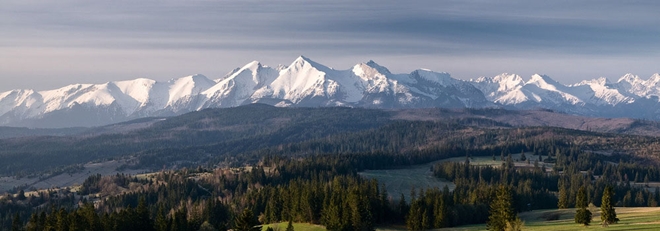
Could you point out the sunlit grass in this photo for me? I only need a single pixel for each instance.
(296, 226)
(638, 218)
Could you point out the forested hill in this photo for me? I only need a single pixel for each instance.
(234, 129)
(236, 135)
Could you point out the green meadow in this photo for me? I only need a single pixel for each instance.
(296, 226)
(635, 218)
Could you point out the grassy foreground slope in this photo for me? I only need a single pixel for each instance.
(635, 218)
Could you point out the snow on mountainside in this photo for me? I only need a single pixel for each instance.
(632, 84)
(508, 89)
(629, 97)
(307, 83)
(302, 83)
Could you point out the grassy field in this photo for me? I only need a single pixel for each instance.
(296, 227)
(65, 179)
(630, 219)
(398, 181)
(488, 161)
(401, 181)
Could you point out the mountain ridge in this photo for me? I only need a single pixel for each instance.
(306, 83)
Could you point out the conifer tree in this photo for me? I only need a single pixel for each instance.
(246, 222)
(143, 220)
(563, 198)
(501, 210)
(402, 208)
(62, 220)
(582, 214)
(440, 211)
(33, 223)
(21, 195)
(161, 221)
(16, 224)
(92, 219)
(206, 226)
(414, 218)
(607, 213)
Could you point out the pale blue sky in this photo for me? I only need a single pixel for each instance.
(45, 45)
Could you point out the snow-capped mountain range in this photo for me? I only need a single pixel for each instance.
(630, 96)
(308, 83)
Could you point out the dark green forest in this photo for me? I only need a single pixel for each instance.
(323, 189)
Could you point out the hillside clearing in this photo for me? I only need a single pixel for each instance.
(66, 179)
(401, 181)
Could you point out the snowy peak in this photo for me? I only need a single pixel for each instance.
(636, 86)
(602, 81)
(507, 81)
(253, 66)
(18, 100)
(183, 89)
(253, 71)
(137, 89)
(504, 88)
(301, 76)
(379, 68)
(510, 80)
(441, 78)
(655, 78)
(370, 71)
(191, 83)
(544, 82)
(630, 78)
(303, 63)
(239, 87)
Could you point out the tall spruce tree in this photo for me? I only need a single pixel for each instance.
(414, 218)
(607, 213)
(161, 223)
(563, 198)
(144, 221)
(501, 210)
(16, 224)
(582, 214)
(246, 222)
